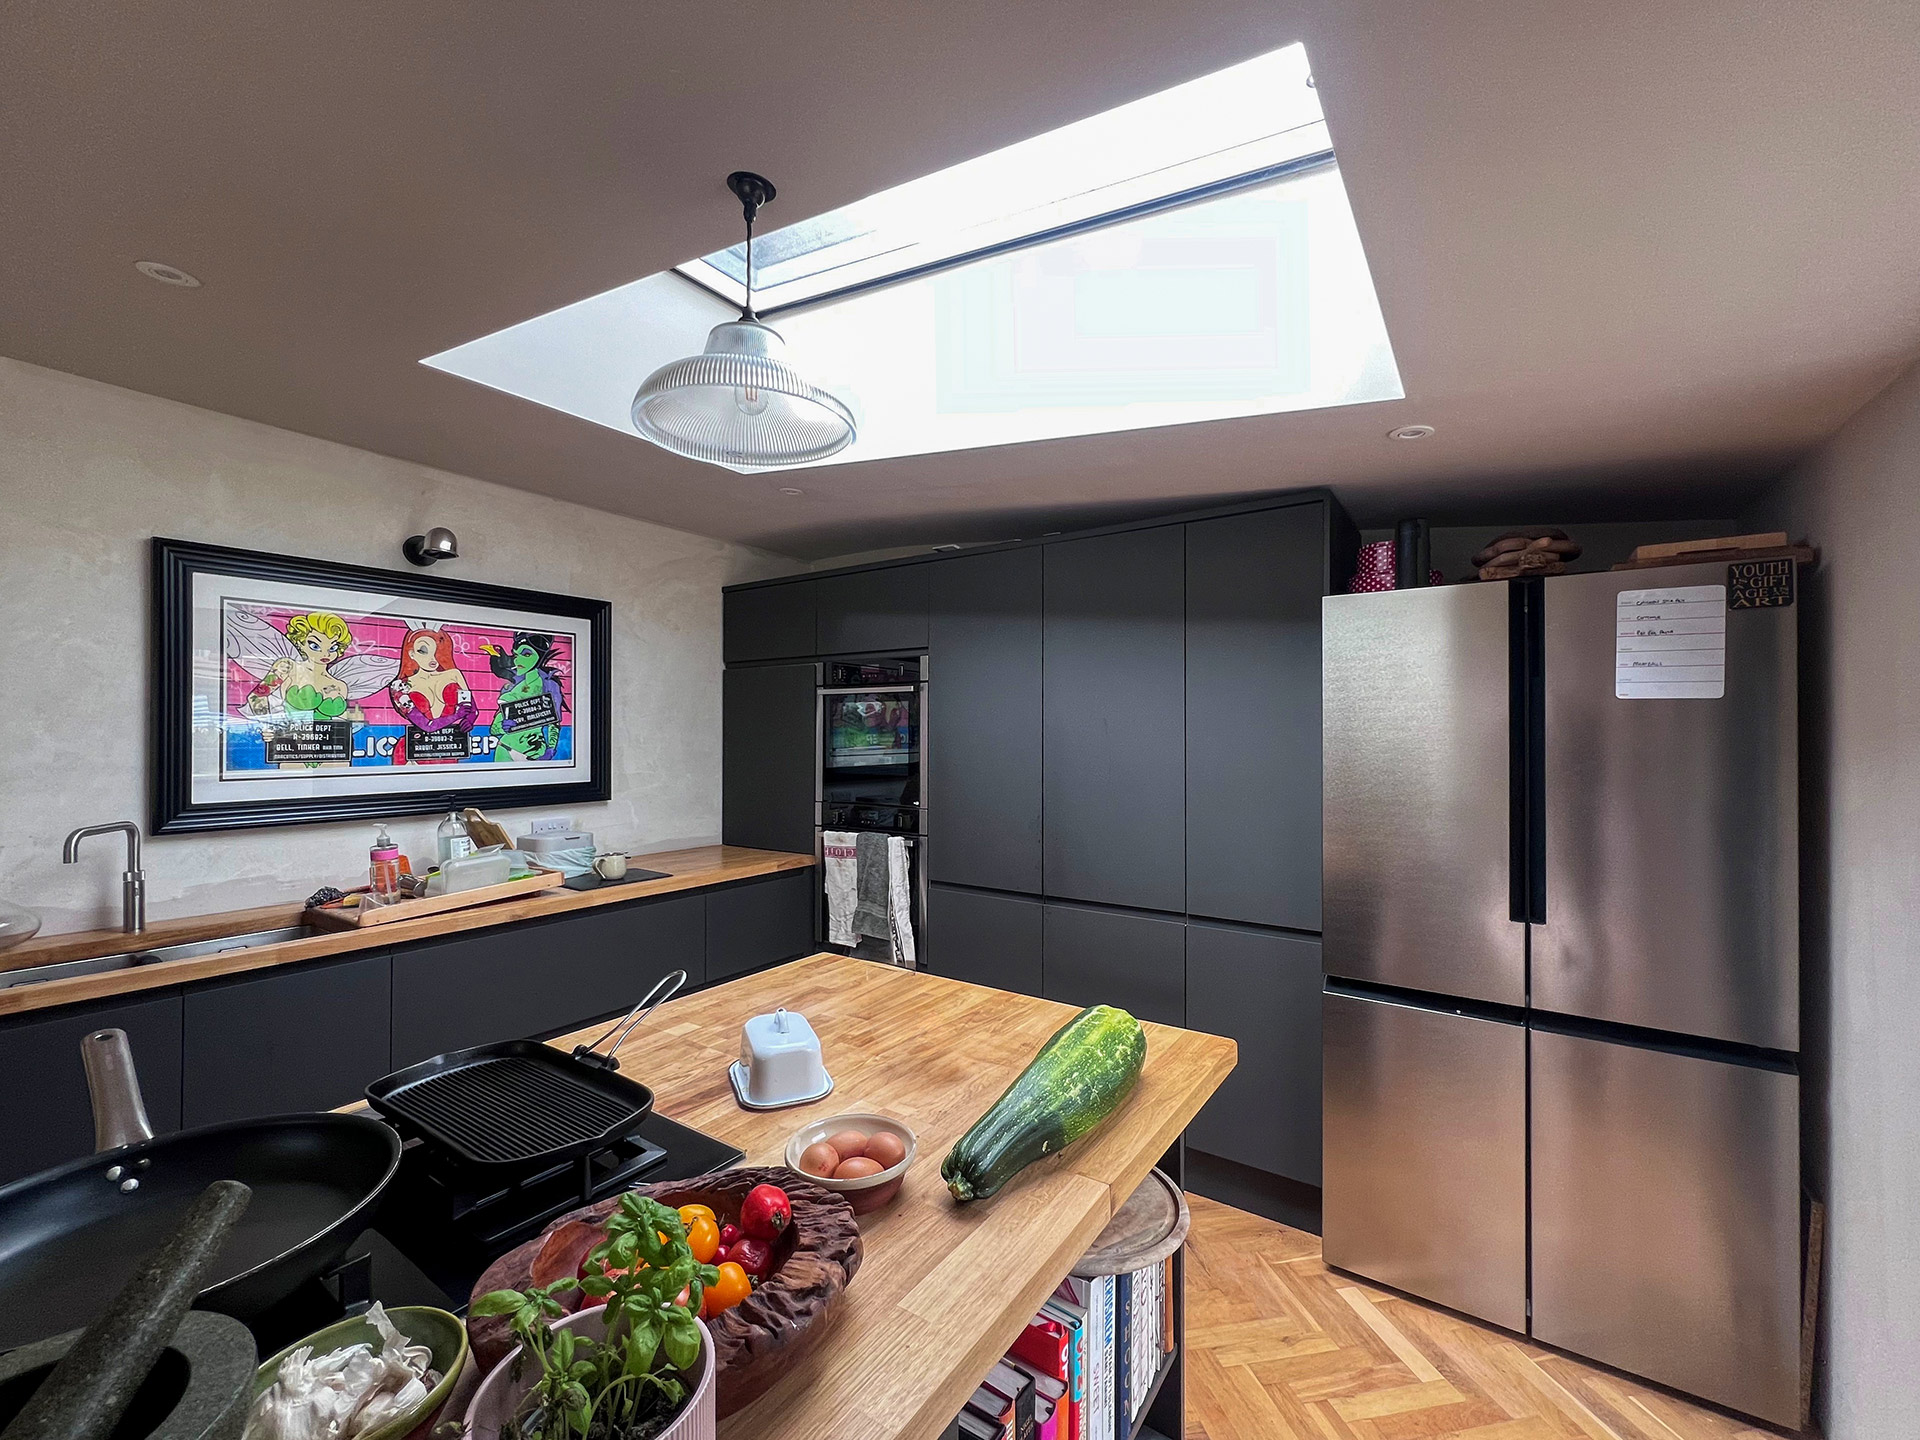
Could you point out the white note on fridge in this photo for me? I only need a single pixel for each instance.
(1671, 644)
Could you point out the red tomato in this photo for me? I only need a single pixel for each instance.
(765, 1212)
(729, 1234)
(751, 1255)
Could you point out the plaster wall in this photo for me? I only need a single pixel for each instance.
(89, 472)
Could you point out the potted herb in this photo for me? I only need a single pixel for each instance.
(637, 1366)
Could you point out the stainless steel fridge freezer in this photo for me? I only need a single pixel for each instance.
(1561, 826)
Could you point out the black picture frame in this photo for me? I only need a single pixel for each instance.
(170, 757)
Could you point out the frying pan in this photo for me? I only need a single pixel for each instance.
(511, 1109)
(72, 1236)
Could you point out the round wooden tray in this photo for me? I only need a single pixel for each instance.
(755, 1340)
(1149, 1227)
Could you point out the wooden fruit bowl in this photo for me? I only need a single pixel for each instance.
(814, 1259)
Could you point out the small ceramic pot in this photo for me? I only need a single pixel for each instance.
(500, 1394)
(870, 1192)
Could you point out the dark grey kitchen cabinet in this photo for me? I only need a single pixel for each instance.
(541, 977)
(872, 610)
(1254, 584)
(768, 622)
(984, 938)
(983, 720)
(767, 757)
(760, 922)
(1115, 718)
(1263, 991)
(307, 1037)
(48, 1119)
(1112, 957)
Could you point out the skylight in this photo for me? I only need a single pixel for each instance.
(1199, 262)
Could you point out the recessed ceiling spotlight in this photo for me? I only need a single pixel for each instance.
(791, 490)
(1410, 432)
(166, 274)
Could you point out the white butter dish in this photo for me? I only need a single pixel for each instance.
(779, 1063)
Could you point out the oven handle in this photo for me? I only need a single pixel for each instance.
(868, 689)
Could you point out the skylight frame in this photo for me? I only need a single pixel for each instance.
(1233, 156)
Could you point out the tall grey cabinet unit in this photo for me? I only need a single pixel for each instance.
(1254, 584)
(1115, 760)
(766, 757)
(983, 725)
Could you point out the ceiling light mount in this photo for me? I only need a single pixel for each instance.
(166, 274)
(1410, 432)
(739, 403)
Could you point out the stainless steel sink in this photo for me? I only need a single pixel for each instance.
(158, 955)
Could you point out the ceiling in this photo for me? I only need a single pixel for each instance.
(1633, 257)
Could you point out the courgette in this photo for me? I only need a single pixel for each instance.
(1077, 1080)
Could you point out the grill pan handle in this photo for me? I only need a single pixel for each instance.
(651, 1001)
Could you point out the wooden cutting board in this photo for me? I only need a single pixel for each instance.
(358, 917)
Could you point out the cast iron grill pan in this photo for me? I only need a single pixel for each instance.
(520, 1105)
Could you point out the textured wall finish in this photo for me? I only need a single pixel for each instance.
(89, 472)
(1859, 501)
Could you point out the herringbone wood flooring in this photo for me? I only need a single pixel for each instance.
(1281, 1348)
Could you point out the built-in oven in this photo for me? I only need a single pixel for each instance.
(870, 777)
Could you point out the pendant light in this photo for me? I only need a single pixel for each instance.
(739, 403)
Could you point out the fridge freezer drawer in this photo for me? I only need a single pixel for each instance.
(1666, 1219)
(1416, 889)
(1424, 1160)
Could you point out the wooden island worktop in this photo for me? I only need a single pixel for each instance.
(695, 868)
(944, 1288)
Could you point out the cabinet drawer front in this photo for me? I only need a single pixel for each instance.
(310, 1038)
(985, 939)
(760, 923)
(1263, 990)
(40, 1059)
(1110, 957)
(872, 610)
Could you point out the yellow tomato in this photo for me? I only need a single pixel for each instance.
(703, 1238)
(727, 1291)
(688, 1212)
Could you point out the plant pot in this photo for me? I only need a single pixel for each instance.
(500, 1393)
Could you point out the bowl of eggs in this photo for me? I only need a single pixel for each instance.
(863, 1157)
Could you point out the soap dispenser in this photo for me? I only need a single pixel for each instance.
(383, 865)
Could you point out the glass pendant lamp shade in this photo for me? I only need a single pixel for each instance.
(739, 403)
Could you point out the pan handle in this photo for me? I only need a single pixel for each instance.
(651, 1001)
(113, 1085)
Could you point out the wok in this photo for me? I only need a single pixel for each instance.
(72, 1236)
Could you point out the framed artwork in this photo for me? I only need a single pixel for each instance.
(288, 691)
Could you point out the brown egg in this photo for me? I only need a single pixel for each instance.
(858, 1168)
(848, 1144)
(819, 1158)
(887, 1148)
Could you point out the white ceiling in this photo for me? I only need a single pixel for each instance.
(1631, 255)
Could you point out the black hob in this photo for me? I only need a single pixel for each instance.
(437, 1230)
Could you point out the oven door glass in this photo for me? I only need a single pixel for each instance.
(872, 748)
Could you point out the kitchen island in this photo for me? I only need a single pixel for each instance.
(944, 1288)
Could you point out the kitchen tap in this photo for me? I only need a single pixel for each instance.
(133, 883)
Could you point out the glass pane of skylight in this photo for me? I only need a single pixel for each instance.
(1250, 118)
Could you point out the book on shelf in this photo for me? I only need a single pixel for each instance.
(1073, 1317)
(1015, 1385)
(992, 1406)
(1045, 1418)
(971, 1425)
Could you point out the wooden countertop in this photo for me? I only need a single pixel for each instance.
(944, 1288)
(690, 869)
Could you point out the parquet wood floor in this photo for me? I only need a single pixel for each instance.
(1281, 1348)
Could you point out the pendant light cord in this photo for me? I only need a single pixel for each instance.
(746, 310)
